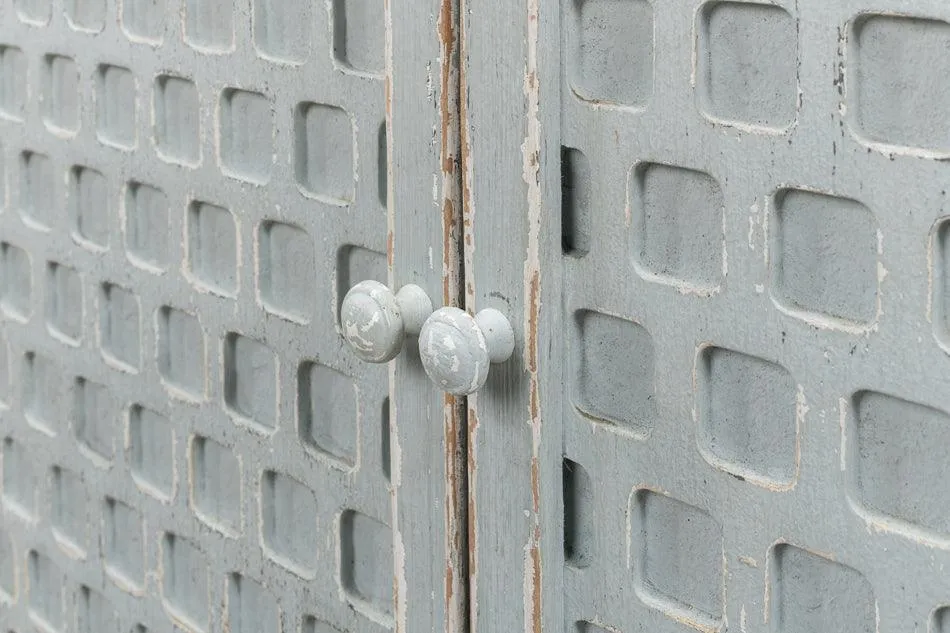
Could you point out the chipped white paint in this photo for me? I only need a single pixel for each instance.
(457, 349)
(376, 322)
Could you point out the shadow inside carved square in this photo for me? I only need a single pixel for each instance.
(813, 593)
(748, 416)
(216, 490)
(286, 269)
(283, 31)
(614, 380)
(68, 512)
(95, 614)
(366, 559)
(20, 483)
(147, 226)
(123, 545)
(610, 55)
(677, 232)
(359, 35)
(288, 523)
(250, 381)
(748, 64)
(185, 582)
(677, 558)
(328, 421)
(45, 592)
(824, 252)
(151, 441)
(897, 90)
(64, 303)
(251, 608)
(897, 450)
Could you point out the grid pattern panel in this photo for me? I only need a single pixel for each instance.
(753, 211)
(188, 186)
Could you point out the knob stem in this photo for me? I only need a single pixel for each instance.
(498, 333)
(415, 306)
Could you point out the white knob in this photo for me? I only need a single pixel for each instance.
(456, 348)
(376, 322)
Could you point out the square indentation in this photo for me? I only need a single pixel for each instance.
(896, 84)
(86, 15)
(246, 135)
(897, 453)
(216, 485)
(366, 561)
(8, 570)
(359, 35)
(13, 82)
(824, 257)
(748, 416)
(812, 593)
(251, 607)
(679, 558)
(328, 412)
(95, 614)
(353, 265)
(64, 302)
(94, 418)
(144, 20)
(61, 93)
(119, 326)
(283, 30)
(748, 57)
(181, 353)
(610, 60)
(209, 25)
(16, 282)
(152, 451)
(146, 225)
(116, 101)
(250, 381)
(37, 193)
(45, 592)
(288, 523)
(20, 484)
(576, 195)
(286, 270)
(578, 494)
(177, 120)
(213, 248)
(43, 386)
(89, 202)
(677, 235)
(325, 159)
(614, 378)
(68, 512)
(185, 583)
(123, 545)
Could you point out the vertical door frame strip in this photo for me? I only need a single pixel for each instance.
(422, 139)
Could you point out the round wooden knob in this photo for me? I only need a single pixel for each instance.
(457, 349)
(375, 321)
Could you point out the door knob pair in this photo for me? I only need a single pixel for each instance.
(456, 348)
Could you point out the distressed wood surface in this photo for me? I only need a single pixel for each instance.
(428, 435)
(508, 142)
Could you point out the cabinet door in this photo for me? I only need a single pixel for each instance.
(720, 231)
(189, 189)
